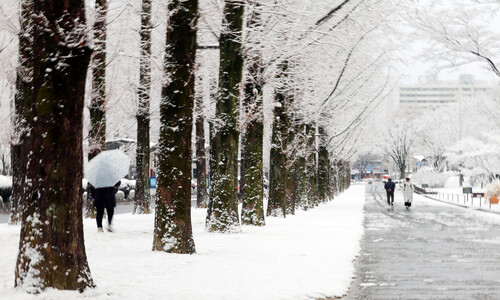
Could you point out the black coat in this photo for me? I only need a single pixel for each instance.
(104, 196)
(390, 185)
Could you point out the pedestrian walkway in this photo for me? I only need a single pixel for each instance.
(432, 251)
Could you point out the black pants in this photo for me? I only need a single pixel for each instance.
(389, 196)
(110, 209)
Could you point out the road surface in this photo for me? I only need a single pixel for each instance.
(432, 251)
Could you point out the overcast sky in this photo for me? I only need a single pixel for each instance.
(418, 67)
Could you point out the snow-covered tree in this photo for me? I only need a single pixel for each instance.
(97, 134)
(441, 130)
(399, 140)
(8, 62)
(20, 115)
(173, 229)
(142, 200)
(207, 57)
(252, 160)
(445, 127)
(337, 96)
(477, 156)
(97, 107)
(279, 194)
(222, 213)
(364, 160)
(5, 163)
(51, 249)
(460, 31)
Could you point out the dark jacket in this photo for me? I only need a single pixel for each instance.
(104, 196)
(390, 185)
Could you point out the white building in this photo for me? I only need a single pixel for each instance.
(430, 94)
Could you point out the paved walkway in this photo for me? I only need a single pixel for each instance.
(433, 251)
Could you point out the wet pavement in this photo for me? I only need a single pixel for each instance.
(432, 251)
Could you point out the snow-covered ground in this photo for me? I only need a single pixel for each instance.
(452, 192)
(306, 256)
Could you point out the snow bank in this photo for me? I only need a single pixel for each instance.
(5, 182)
(305, 256)
(493, 189)
(431, 178)
(127, 182)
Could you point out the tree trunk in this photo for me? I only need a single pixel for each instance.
(301, 177)
(97, 134)
(402, 171)
(5, 166)
(142, 200)
(278, 166)
(201, 161)
(277, 182)
(311, 168)
(252, 176)
(347, 174)
(173, 231)
(51, 247)
(24, 92)
(338, 177)
(18, 168)
(222, 215)
(291, 162)
(17, 182)
(252, 173)
(331, 176)
(253, 190)
(323, 166)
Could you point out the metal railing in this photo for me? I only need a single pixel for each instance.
(465, 199)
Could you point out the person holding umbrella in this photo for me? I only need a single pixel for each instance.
(104, 173)
(104, 198)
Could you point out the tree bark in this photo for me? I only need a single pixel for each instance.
(51, 249)
(142, 200)
(222, 215)
(252, 173)
(201, 160)
(173, 231)
(97, 134)
(347, 174)
(323, 166)
(24, 92)
(291, 163)
(278, 165)
(402, 171)
(301, 177)
(312, 185)
(253, 190)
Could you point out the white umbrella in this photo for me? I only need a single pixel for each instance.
(107, 168)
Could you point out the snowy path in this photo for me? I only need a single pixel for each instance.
(121, 208)
(305, 256)
(433, 251)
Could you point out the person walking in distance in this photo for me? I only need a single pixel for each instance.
(389, 188)
(408, 190)
(104, 198)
